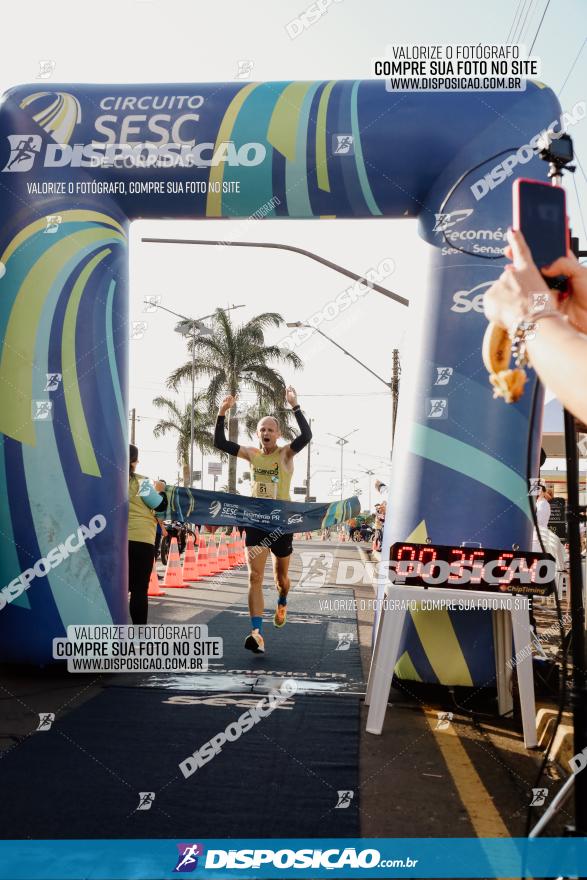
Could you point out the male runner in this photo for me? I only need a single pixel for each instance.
(271, 473)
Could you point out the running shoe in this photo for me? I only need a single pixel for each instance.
(255, 642)
(280, 616)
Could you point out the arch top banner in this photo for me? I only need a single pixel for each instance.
(78, 162)
(283, 149)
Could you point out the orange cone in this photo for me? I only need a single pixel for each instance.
(214, 551)
(173, 576)
(203, 558)
(190, 565)
(223, 560)
(154, 588)
(233, 549)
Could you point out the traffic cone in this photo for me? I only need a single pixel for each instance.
(223, 559)
(173, 576)
(190, 565)
(233, 549)
(203, 558)
(215, 565)
(154, 588)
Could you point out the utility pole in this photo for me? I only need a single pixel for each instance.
(395, 377)
(308, 466)
(342, 442)
(370, 474)
(133, 418)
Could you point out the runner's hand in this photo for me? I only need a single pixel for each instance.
(291, 396)
(228, 402)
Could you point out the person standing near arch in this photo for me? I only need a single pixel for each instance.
(271, 473)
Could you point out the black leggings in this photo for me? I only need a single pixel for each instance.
(140, 565)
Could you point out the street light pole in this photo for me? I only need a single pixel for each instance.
(369, 474)
(388, 385)
(342, 442)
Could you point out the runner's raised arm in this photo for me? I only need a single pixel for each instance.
(302, 440)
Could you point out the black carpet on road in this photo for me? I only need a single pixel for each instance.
(82, 778)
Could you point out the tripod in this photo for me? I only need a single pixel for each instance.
(558, 159)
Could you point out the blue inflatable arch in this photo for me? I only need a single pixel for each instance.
(75, 153)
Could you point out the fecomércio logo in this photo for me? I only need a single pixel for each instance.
(187, 860)
(24, 149)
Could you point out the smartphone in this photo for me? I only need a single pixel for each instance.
(540, 213)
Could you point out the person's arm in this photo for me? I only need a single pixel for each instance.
(559, 355)
(556, 351)
(220, 441)
(305, 435)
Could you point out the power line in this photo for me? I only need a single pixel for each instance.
(518, 37)
(572, 66)
(539, 26)
(512, 25)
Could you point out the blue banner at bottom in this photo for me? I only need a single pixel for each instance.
(303, 858)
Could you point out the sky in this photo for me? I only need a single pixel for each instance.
(176, 41)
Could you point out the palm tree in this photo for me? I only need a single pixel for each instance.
(235, 358)
(252, 415)
(180, 421)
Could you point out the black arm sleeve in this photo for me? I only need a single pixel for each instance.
(306, 434)
(220, 441)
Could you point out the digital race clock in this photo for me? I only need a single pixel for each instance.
(472, 568)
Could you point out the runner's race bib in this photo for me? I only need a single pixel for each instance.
(265, 488)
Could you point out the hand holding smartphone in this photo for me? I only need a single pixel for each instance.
(539, 212)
